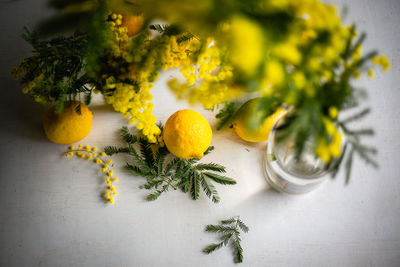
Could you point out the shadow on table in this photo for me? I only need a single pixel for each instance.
(266, 202)
(20, 113)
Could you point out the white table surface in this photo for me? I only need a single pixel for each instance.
(51, 213)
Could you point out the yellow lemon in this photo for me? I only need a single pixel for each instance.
(242, 121)
(133, 23)
(68, 127)
(187, 134)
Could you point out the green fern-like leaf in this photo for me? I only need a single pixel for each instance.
(229, 231)
(213, 247)
(219, 178)
(146, 152)
(139, 172)
(209, 189)
(127, 136)
(141, 163)
(111, 150)
(195, 189)
(88, 98)
(208, 151)
(242, 226)
(157, 193)
(160, 163)
(210, 167)
(171, 166)
(184, 38)
(151, 163)
(229, 221)
(219, 228)
(237, 250)
(225, 115)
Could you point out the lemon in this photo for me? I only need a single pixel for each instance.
(187, 134)
(68, 127)
(242, 120)
(133, 23)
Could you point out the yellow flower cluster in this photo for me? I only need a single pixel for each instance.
(321, 58)
(215, 77)
(247, 44)
(331, 148)
(177, 54)
(381, 61)
(136, 107)
(90, 153)
(17, 73)
(131, 99)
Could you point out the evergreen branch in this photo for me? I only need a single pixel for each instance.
(237, 250)
(210, 167)
(229, 221)
(111, 150)
(78, 109)
(157, 193)
(225, 115)
(242, 226)
(209, 189)
(219, 228)
(88, 98)
(213, 247)
(184, 183)
(146, 152)
(154, 196)
(127, 136)
(176, 173)
(138, 172)
(208, 151)
(56, 69)
(172, 165)
(226, 237)
(151, 184)
(219, 178)
(229, 233)
(195, 189)
(141, 163)
(160, 161)
(185, 37)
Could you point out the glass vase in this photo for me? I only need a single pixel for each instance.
(290, 174)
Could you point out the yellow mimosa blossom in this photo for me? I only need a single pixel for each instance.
(333, 112)
(288, 52)
(247, 44)
(89, 153)
(275, 72)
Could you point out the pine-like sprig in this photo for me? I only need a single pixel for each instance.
(225, 115)
(164, 171)
(229, 231)
(56, 71)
